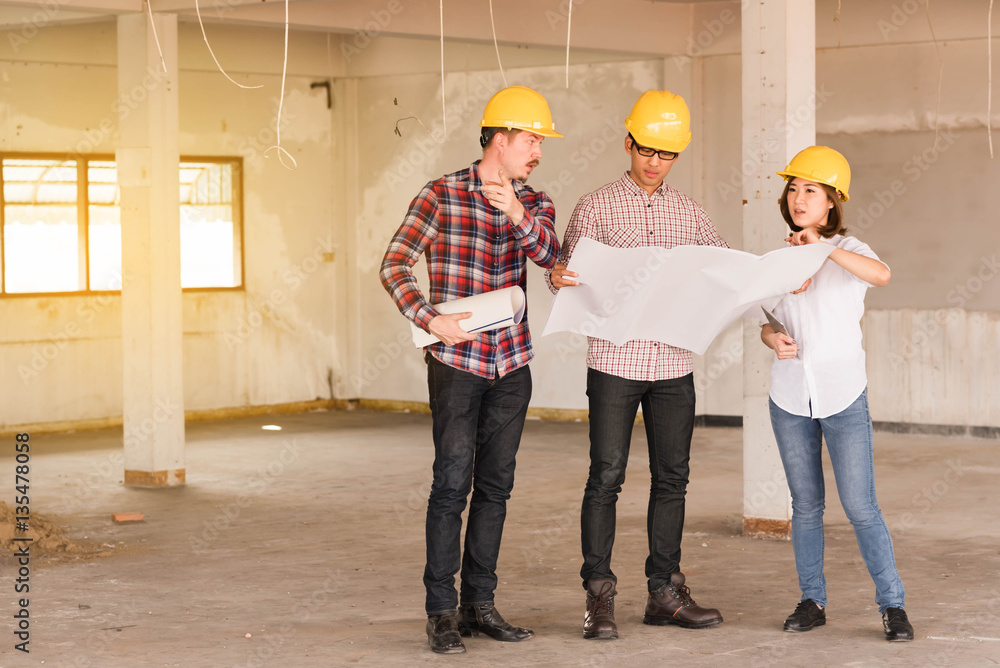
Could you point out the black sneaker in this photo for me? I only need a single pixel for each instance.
(806, 616)
(897, 626)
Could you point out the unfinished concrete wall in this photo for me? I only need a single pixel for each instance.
(920, 199)
(307, 327)
(274, 341)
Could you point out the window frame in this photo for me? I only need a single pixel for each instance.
(83, 219)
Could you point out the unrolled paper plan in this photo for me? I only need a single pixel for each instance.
(490, 310)
(684, 296)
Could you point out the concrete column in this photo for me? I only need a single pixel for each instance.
(148, 175)
(779, 101)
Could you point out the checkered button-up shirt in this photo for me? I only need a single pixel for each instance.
(471, 248)
(624, 215)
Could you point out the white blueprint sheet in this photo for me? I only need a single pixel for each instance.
(684, 296)
(490, 310)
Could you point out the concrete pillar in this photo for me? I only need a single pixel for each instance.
(779, 101)
(148, 175)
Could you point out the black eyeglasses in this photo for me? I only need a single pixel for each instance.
(648, 152)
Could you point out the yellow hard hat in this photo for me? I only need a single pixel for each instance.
(660, 120)
(521, 108)
(821, 164)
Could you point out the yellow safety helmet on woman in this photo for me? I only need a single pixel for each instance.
(660, 120)
(521, 108)
(821, 164)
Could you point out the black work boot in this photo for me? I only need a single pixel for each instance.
(475, 619)
(672, 604)
(599, 621)
(442, 634)
(807, 615)
(897, 625)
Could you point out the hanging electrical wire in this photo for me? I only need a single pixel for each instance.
(412, 115)
(152, 24)
(197, 9)
(444, 116)
(937, 49)
(495, 46)
(281, 103)
(569, 23)
(836, 22)
(989, 77)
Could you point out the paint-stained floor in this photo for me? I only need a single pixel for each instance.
(304, 547)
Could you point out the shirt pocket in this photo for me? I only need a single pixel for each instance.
(627, 236)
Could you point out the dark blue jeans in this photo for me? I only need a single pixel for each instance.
(477, 430)
(668, 414)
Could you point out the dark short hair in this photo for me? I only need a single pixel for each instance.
(488, 134)
(834, 221)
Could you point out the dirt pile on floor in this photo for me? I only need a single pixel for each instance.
(48, 538)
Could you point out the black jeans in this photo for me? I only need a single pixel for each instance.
(477, 430)
(668, 414)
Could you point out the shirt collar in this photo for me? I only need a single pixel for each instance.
(634, 187)
(476, 182)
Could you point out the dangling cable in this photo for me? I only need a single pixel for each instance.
(493, 25)
(937, 49)
(836, 20)
(444, 116)
(569, 22)
(152, 24)
(281, 103)
(205, 37)
(989, 77)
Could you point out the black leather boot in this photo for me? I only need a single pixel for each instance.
(442, 634)
(475, 619)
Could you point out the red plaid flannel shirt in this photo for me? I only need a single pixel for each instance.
(470, 248)
(624, 215)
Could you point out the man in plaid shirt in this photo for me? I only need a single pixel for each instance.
(477, 228)
(640, 209)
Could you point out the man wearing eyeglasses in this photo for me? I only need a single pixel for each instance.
(640, 209)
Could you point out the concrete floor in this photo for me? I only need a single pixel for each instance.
(311, 540)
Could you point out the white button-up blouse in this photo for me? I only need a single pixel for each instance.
(828, 373)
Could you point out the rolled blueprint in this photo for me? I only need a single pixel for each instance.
(490, 310)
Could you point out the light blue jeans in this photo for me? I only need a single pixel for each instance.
(850, 444)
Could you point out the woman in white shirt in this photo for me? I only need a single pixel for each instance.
(819, 390)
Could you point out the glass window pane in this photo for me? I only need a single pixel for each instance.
(208, 249)
(41, 233)
(105, 226)
(105, 245)
(40, 249)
